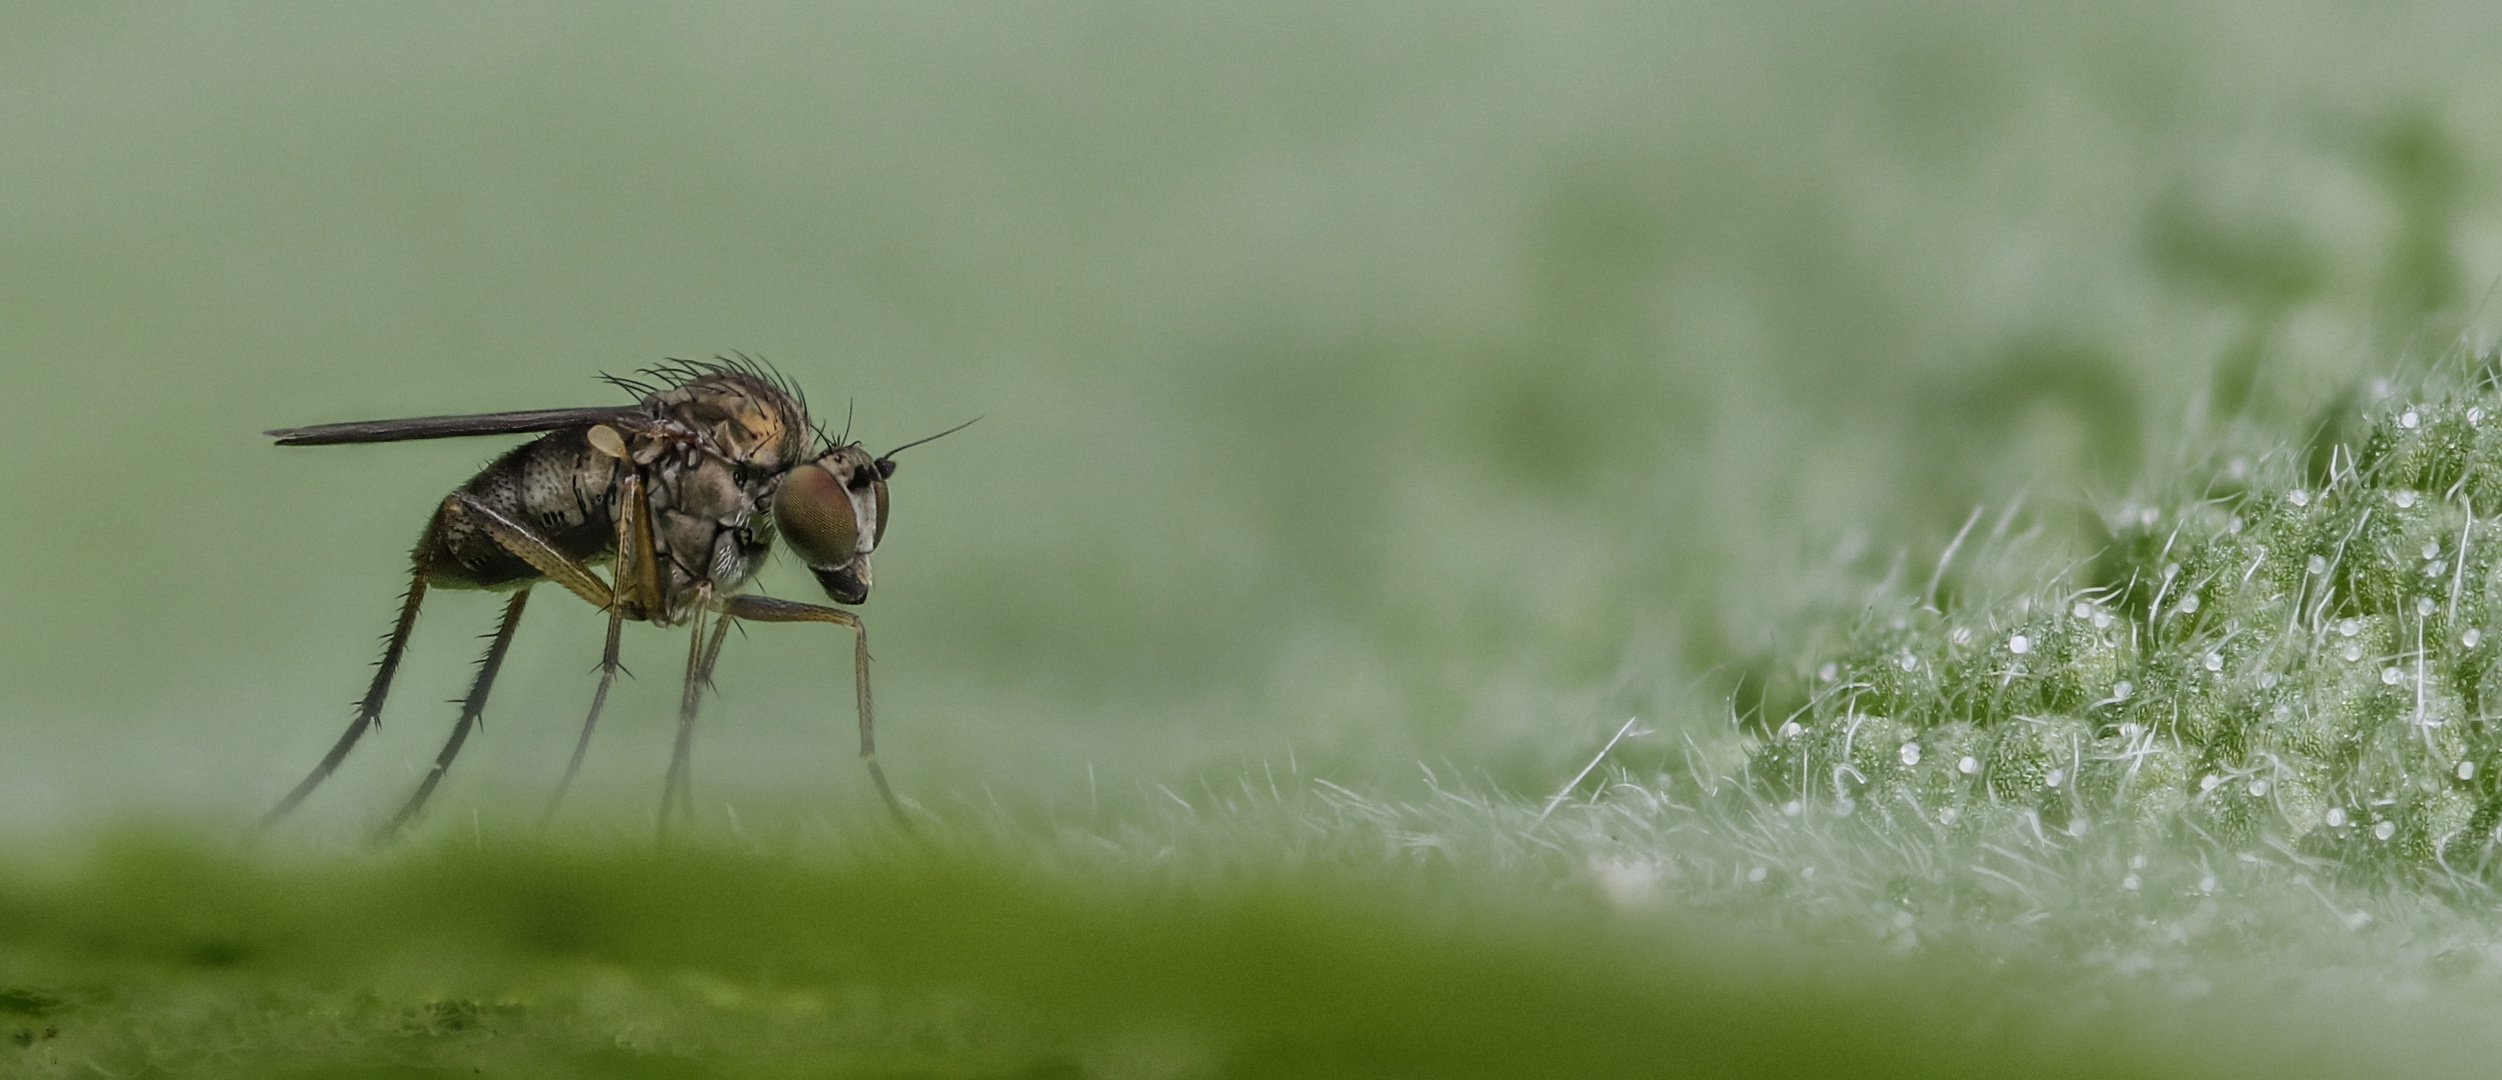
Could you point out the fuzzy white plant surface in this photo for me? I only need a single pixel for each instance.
(2300, 656)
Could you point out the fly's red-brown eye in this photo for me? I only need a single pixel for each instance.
(815, 514)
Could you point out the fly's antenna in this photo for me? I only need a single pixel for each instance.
(885, 460)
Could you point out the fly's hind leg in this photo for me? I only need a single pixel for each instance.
(369, 710)
(768, 609)
(471, 708)
(543, 557)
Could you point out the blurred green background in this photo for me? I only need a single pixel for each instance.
(1363, 383)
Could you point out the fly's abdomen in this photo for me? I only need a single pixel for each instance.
(557, 485)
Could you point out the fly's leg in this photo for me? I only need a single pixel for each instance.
(768, 609)
(637, 587)
(470, 709)
(368, 711)
(608, 668)
(677, 792)
(532, 548)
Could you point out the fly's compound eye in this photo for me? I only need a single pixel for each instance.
(815, 513)
(833, 512)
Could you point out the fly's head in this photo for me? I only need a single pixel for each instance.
(833, 509)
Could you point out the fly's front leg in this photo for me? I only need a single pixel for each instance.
(471, 708)
(768, 609)
(678, 790)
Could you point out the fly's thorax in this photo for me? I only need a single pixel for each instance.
(706, 526)
(748, 420)
(833, 511)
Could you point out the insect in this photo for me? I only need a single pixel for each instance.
(681, 494)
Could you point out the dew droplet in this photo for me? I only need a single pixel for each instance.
(2056, 777)
(2129, 883)
(1947, 815)
(2432, 549)
(2083, 610)
(2207, 883)
(2353, 650)
(1792, 808)
(2336, 818)
(1968, 765)
(1790, 730)
(2147, 516)
(2076, 827)
(2215, 662)
(2019, 644)
(2298, 497)
(1911, 753)
(2189, 604)
(2404, 499)
(2476, 415)
(2122, 689)
(2471, 637)
(2408, 419)
(2467, 770)
(2267, 680)
(2171, 570)
(2349, 627)
(2208, 782)
(2384, 830)
(2258, 787)
(1908, 662)
(1757, 874)
(2318, 564)
(2282, 711)
(2424, 605)
(1828, 671)
(2389, 676)
(2235, 525)
(2102, 619)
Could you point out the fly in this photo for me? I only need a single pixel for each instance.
(681, 495)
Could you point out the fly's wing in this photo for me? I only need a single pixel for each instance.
(447, 427)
